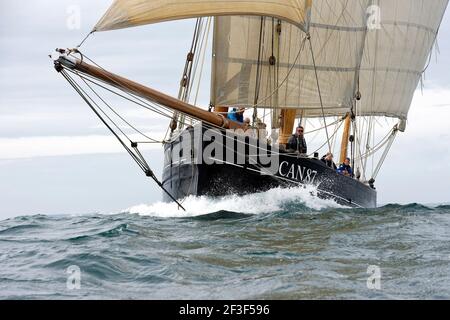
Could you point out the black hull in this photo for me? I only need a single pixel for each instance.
(183, 175)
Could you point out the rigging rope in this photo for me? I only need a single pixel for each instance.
(319, 91)
(203, 47)
(385, 153)
(88, 100)
(129, 93)
(334, 134)
(262, 100)
(258, 70)
(186, 81)
(142, 104)
(136, 156)
(84, 40)
(117, 114)
(378, 146)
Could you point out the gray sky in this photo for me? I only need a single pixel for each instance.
(55, 156)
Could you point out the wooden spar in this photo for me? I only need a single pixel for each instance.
(221, 110)
(287, 125)
(149, 93)
(345, 138)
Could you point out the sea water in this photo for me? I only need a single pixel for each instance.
(280, 244)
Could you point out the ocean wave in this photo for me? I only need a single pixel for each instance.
(99, 265)
(283, 245)
(18, 229)
(300, 199)
(222, 215)
(443, 207)
(108, 232)
(410, 208)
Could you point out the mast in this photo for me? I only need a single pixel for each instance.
(287, 125)
(345, 138)
(146, 92)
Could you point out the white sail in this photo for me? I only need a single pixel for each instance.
(337, 35)
(396, 53)
(130, 13)
(384, 63)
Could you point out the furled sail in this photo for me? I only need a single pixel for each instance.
(337, 35)
(130, 13)
(376, 47)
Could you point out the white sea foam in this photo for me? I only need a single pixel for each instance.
(258, 203)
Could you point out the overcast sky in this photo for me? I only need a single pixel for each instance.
(55, 156)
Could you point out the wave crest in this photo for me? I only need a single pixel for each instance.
(274, 200)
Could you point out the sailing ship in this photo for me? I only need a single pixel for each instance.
(345, 70)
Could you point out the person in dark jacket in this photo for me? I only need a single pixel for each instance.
(345, 168)
(328, 160)
(297, 142)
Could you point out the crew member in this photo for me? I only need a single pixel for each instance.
(297, 142)
(345, 168)
(328, 160)
(236, 115)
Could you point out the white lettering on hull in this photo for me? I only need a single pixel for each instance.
(297, 172)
